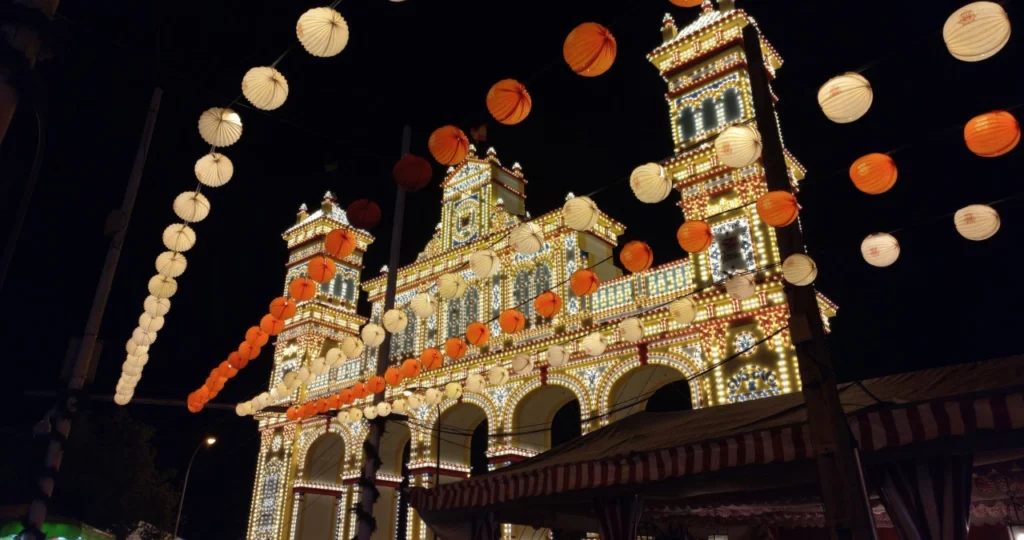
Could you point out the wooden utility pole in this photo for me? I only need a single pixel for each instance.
(367, 496)
(847, 510)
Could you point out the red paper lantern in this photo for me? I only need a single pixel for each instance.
(293, 413)
(511, 321)
(411, 368)
(271, 325)
(283, 308)
(321, 405)
(777, 208)
(359, 390)
(455, 348)
(509, 102)
(333, 402)
(695, 236)
(589, 49)
(248, 351)
(477, 333)
(375, 384)
(346, 396)
(363, 214)
(393, 376)
(256, 337)
(584, 282)
(431, 358)
(412, 172)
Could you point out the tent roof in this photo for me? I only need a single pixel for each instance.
(886, 413)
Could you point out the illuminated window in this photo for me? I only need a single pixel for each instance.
(708, 115)
(403, 344)
(687, 124)
(733, 107)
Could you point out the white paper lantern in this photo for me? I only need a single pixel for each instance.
(150, 324)
(383, 408)
(131, 369)
(220, 126)
(684, 310)
(557, 356)
(302, 375)
(976, 31)
(370, 412)
(171, 264)
(322, 32)
(262, 400)
(394, 321)
(372, 335)
(335, 357)
(579, 213)
(976, 222)
(738, 146)
(799, 269)
(354, 414)
(162, 286)
(243, 409)
(522, 364)
(433, 396)
(125, 387)
(631, 329)
(497, 375)
(129, 380)
(122, 399)
(451, 286)
(179, 237)
(845, 98)
(476, 383)
(156, 307)
(414, 401)
(135, 349)
(453, 390)
(423, 305)
(283, 390)
(352, 347)
(137, 359)
(484, 263)
(527, 239)
(342, 417)
(191, 206)
(275, 394)
(594, 344)
(318, 366)
(143, 337)
(399, 406)
(880, 249)
(265, 88)
(214, 170)
(740, 287)
(650, 183)
(291, 380)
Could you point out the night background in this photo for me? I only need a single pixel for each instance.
(946, 300)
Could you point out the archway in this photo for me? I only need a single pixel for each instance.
(533, 417)
(638, 389)
(462, 439)
(319, 489)
(394, 456)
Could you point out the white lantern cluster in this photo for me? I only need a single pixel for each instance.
(352, 347)
(484, 263)
(335, 357)
(214, 170)
(631, 329)
(476, 383)
(845, 98)
(557, 356)
(522, 364)
(976, 31)
(220, 126)
(497, 375)
(650, 183)
(191, 206)
(880, 249)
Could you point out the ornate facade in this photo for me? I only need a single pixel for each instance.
(307, 470)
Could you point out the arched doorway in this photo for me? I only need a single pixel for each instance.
(459, 443)
(533, 419)
(319, 489)
(654, 387)
(394, 457)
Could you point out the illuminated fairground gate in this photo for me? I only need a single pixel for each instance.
(306, 478)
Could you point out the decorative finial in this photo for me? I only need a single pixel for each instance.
(570, 195)
(517, 169)
(328, 196)
(384, 269)
(302, 214)
(668, 20)
(707, 6)
(491, 151)
(303, 208)
(501, 203)
(472, 150)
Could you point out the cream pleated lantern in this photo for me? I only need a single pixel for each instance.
(372, 335)
(845, 98)
(522, 364)
(283, 390)
(399, 406)
(138, 359)
(423, 305)
(451, 286)
(631, 329)
(156, 307)
(394, 321)
(453, 390)
(579, 213)
(131, 369)
(322, 32)
(497, 375)
(179, 237)
(976, 222)
(738, 146)
(220, 126)
(976, 31)
(352, 347)
(384, 409)
(265, 88)
(880, 249)
(557, 356)
(650, 183)
(415, 401)
(171, 264)
(143, 337)
(150, 324)
(214, 170)
(433, 396)
(370, 412)
(343, 418)
(275, 394)
(526, 239)
(484, 263)
(135, 349)
(291, 380)
(318, 366)
(191, 206)
(262, 400)
(799, 269)
(476, 383)
(740, 287)
(162, 286)
(335, 357)
(243, 409)
(355, 415)
(122, 399)
(302, 375)
(684, 310)
(594, 344)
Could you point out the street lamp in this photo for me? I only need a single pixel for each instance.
(208, 442)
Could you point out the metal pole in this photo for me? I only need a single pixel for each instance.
(59, 416)
(366, 496)
(847, 510)
(181, 503)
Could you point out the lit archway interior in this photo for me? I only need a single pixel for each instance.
(318, 511)
(460, 425)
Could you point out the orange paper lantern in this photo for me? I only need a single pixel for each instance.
(412, 172)
(321, 269)
(589, 49)
(695, 236)
(448, 145)
(363, 214)
(346, 396)
(511, 321)
(375, 384)
(636, 256)
(333, 402)
(431, 358)
(548, 304)
(302, 288)
(340, 243)
(992, 134)
(203, 394)
(227, 371)
(509, 102)
(321, 405)
(359, 390)
(235, 361)
(455, 348)
(293, 413)
(271, 325)
(411, 368)
(873, 173)
(248, 351)
(686, 3)
(778, 208)
(256, 337)
(393, 376)
(307, 410)
(477, 333)
(584, 282)
(283, 308)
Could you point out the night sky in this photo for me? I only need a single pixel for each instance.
(428, 63)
